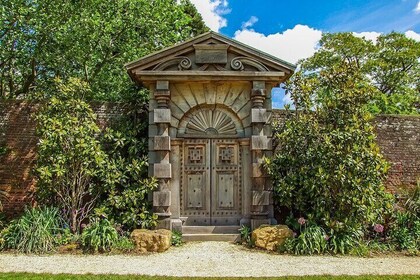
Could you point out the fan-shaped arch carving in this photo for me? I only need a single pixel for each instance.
(210, 122)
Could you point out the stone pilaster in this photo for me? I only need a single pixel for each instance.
(260, 144)
(161, 142)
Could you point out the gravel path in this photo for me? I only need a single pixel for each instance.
(209, 259)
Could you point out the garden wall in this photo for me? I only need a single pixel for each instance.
(17, 135)
(398, 138)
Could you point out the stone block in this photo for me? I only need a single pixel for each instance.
(258, 85)
(257, 170)
(259, 115)
(162, 170)
(211, 53)
(162, 199)
(151, 240)
(162, 85)
(271, 237)
(259, 142)
(260, 198)
(162, 143)
(162, 116)
(256, 223)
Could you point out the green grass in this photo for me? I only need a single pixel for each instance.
(32, 276)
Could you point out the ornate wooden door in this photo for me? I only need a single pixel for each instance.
(211, 182)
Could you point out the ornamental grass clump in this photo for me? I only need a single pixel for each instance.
(100, 235)
(37, 231)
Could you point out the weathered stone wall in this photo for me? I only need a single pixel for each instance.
(398, 138)
(17, 134)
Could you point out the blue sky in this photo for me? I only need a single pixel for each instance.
(291, 30)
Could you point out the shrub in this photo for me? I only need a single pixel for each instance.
(328, 165)
(404, 228)
(126, 201)
(176, 238)
(124, 244)
(35, 232)
(312, 240)
(246, 234)
(70, 158)
(99, 236)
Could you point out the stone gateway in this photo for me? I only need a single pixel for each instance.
(209, 131)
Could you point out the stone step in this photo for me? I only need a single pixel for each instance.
(211, 237)
(210, 229)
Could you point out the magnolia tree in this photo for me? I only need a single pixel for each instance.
(70, 159)
(328, 168)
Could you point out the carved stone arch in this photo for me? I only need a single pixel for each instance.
(210, 121)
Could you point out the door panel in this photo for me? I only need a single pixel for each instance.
(210, 182)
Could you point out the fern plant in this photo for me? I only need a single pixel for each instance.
(100, 235)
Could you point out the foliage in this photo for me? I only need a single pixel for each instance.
(126, 201)
(343, 242)
(328, 166)
(391, 66)
(405, 231)
(124, 244)
(176, 238)
(90, 40)
(70, 159)
(310, 241)
(246, 234)
(35, 232)
(100, 235)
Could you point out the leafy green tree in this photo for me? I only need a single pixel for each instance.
(70, 158)
(327, 167)
(44, 39)
(391, 66)
(126, 201)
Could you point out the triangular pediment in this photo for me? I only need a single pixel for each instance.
(209, 53)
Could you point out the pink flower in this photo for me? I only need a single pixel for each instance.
(326, 237)
(301, 221)
(294, 234)
(378, 228)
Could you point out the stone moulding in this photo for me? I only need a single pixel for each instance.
(238, 64)
(183, 62)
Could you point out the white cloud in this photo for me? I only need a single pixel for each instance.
(417, 8)
(291, 45)
(373, 36)
(212, 12)
(413, 35)
(250, 22)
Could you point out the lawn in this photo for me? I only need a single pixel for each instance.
(24, 276)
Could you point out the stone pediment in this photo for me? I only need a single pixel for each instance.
(209, 54)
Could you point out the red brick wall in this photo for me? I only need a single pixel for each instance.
(17, 133)
(398, 138)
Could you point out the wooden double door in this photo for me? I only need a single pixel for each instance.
(211, 182)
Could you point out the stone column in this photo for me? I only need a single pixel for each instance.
(162, 170)
(260, 143)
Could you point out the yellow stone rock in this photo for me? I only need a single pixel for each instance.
(151, 240)
(271, 237)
